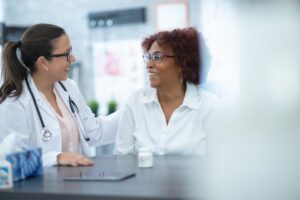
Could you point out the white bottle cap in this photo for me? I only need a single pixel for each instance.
(145, 149)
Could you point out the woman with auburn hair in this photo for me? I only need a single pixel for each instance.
(170, 116)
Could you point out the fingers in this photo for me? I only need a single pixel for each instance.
(73, 159)
(84, 161)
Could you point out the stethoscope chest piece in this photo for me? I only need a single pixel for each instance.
(47, 135)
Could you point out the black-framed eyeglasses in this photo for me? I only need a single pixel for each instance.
(68, 54)
(155, 57)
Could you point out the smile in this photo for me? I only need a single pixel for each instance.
(152, 74)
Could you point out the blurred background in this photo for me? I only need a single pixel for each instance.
(106, 37)
(254, 134)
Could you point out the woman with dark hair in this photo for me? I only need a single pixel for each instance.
(42, 106)
(170, 116)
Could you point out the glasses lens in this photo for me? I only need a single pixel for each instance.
(69, 53)
(157, 57)
(146, 57)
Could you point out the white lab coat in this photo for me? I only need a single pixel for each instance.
(20, 116)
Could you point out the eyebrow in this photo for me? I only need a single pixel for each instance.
(156, 52)
(66, 51)
(69, 49)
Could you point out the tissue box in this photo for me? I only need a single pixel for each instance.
(25, 164)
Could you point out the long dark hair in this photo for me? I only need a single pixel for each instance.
(35, 42)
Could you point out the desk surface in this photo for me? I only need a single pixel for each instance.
(172, 177)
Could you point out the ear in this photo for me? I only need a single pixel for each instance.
(42, 63)
(179, 69)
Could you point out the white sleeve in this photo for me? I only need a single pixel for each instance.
(101, 130)
(13, 121)
(10, 124)
(125, 138)
(109, 127)
(50, 158)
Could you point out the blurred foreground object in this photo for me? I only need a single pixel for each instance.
(254, 140)
(5, 173)
(26, 164)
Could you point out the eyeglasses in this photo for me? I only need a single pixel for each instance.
(68, 54)
(155, 57)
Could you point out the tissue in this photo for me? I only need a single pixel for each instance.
(26, 162)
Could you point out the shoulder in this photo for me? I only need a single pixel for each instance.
(208, 101)
(199, 98)
(207, 97)
(14, 105)
(141, 95)
(22, 101)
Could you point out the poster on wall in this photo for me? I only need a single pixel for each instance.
(118, 70)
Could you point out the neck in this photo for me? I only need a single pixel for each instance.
(172, 94)
(43, 84)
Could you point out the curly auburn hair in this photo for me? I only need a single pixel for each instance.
(185, 46)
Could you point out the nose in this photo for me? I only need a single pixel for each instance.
(149, 64)
(72, 58)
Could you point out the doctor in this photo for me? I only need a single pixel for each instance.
(43, 106)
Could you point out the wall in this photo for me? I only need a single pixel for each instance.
(72, 15)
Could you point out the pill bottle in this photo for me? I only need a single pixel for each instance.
(145, 157)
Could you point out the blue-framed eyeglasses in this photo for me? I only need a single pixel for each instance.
(68, 54)
(155, 57)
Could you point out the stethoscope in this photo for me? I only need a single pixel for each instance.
(46, 133)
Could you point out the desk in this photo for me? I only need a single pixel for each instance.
(172, 177)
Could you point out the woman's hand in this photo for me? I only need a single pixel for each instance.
(73, 159)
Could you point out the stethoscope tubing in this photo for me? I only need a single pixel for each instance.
(47, 135)
(35, 104)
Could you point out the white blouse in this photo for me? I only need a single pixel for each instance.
(143, 124)
(67, 123)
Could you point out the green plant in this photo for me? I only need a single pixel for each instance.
(112, 106)
(94, 105)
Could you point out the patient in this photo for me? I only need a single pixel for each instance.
(170, 116)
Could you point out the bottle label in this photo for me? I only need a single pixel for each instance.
(4, 178)
(145, 160)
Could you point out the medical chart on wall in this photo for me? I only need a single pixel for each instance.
(118, 70)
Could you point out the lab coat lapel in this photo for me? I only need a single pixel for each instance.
(65, 97)
(63, 94)
(43, 105)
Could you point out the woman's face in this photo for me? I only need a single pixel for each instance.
(163, 73)
(61, 59)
